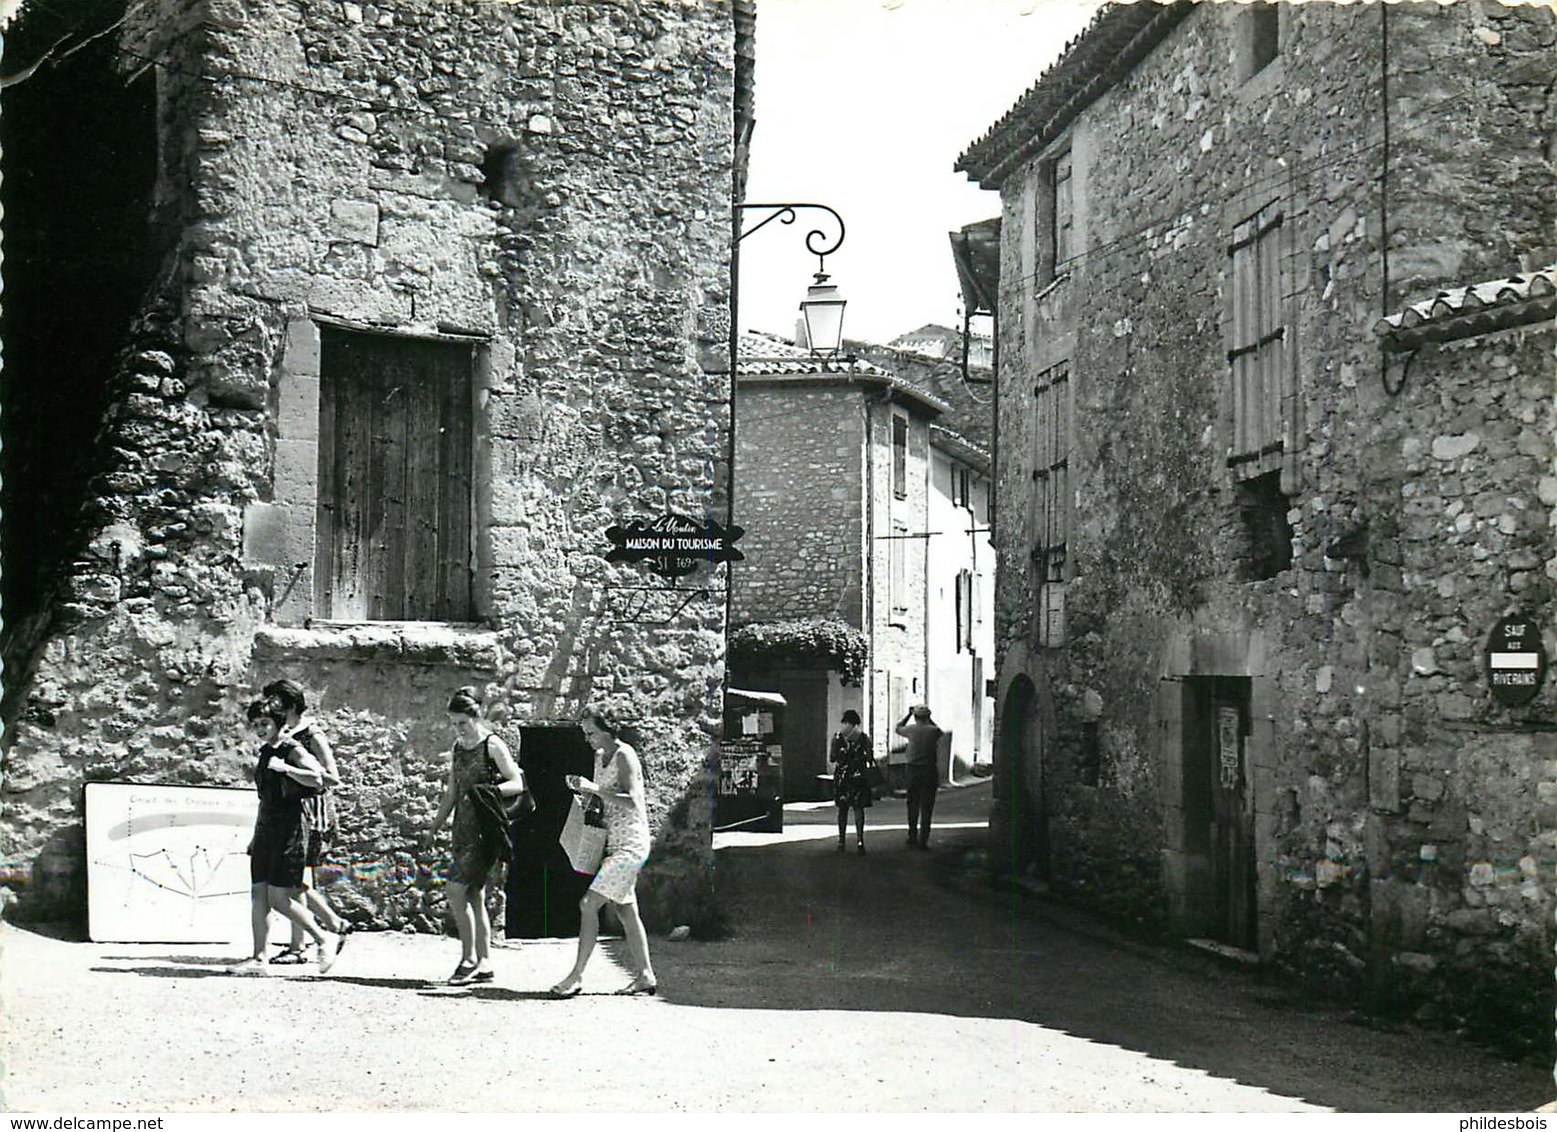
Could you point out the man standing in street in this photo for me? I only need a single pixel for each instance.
(923, 778)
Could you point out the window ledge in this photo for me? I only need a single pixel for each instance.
(403, 642)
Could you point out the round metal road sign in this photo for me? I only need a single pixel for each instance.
(1515, 660)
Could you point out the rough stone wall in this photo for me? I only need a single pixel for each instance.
(339, 162)
(1164, 164)
(800, 497)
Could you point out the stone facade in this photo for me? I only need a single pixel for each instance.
(1395, 836)
(817, 492)
(541, 191)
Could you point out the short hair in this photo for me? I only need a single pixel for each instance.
(268, 707)
(289, 692)
(600, 719)
(466, 701)
(850, 716)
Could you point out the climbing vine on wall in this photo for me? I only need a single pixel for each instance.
(797, 644)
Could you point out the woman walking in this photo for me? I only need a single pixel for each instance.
(284, 776)
(318, 812)
(852, 760)
(618, 783)
(482, 773)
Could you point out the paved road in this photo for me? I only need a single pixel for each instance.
(941, 993)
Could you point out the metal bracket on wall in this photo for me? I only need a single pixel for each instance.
(653, 605)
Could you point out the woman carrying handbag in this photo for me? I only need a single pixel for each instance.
(855, 776)
(618, 784)
(484, 782)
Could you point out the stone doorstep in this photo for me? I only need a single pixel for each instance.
(1225, 951)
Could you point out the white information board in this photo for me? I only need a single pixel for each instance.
(167, 864)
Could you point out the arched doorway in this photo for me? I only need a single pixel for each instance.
(1021, 821)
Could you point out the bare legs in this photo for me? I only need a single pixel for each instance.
(267, 898)
(468, 906)
(589, 931)
(322, 912)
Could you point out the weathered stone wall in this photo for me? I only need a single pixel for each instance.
(548, 180)
(800, 497)
(1363, 760)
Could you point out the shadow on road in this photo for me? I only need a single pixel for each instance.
(904, 931)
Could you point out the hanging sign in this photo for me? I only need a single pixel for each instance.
(673, 545)
(1515, 661)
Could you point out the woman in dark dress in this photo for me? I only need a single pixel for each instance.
(482, 774)
(284, 776)
(852, 759)
(318, 812)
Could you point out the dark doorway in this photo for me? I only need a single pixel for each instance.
(1020, 792)
(543, 891)
(1219, 802)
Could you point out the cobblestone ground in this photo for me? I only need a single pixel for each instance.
(947, 995)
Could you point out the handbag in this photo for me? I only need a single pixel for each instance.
(513, 807)
(583, 836)
(875, 777)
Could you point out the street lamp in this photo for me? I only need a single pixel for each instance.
(822, 307)
(823, 312)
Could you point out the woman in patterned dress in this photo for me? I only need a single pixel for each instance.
(481, 766)
(284, 775)
(318, 812)
(851, 758)
(618, 783)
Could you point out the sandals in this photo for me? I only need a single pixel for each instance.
(567, 989)
(639, 986)
(463, 974)
(289, 957)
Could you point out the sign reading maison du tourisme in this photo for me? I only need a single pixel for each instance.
(673, 545)
(1516, 661)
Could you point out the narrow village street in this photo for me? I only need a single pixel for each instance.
(894, 981)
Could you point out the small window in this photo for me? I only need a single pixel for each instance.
(1055, 220)
(395, 501)
(1267, 535)
(1261, 38)
(899, 456)
(964, 611)
(1063, 213)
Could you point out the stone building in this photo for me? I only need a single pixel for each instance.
(1249, 561)
(411, 301)
(840, 471)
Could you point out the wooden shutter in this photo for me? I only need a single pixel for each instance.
(395, 474)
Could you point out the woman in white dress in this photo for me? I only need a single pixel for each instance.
(618, 783)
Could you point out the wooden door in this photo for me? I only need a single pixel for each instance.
(1232, 811)
(395, 463)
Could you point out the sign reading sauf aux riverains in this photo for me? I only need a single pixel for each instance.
(1515, 660)
(674, 545)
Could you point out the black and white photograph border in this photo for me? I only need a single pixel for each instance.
(867, 556)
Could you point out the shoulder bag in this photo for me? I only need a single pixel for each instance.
(583, 836)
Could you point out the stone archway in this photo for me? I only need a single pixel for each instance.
(1020, 825)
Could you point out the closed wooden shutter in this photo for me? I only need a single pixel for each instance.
(395, 476)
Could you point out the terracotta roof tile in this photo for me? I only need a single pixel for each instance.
(1479, 308)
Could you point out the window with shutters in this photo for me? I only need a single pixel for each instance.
(899, 455)
(965, 598)
(897, 574)
(394, 507)
(1055, 219)
(1050, 499)
(1259, 346)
